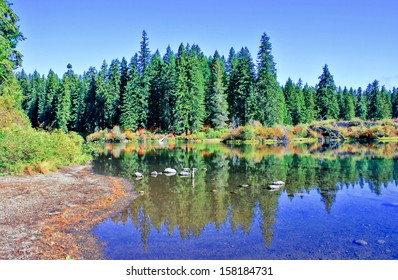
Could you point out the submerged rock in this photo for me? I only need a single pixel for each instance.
(381, 242)
(154, 173)
(360, 242)
(243, 185)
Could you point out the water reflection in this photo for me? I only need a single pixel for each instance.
(190, 206)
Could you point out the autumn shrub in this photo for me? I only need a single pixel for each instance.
(130, 135)
(300, 131)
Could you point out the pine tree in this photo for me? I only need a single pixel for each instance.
(241, 86)
(217, 105)
(10, 35)
(101, 95)
(394, 99)
(196, 88)
(63, 102)
(348, 108)
(309, 102)
(156, 90)
(129, 108)
(326, 103)
(361, 107)
(47, 115)
(168, 100)
(189, 95)
(91, 110)
(26, 88)
(144, 59)
(231, 67)
(386, 103)
(76, 99)
(378, 107)
(112, 97)
(294, 101)
(123, 82)
(270, 105)
(37, 93)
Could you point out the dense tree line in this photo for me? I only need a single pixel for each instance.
(186, 90)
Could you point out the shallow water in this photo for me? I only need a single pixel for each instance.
(337, 203)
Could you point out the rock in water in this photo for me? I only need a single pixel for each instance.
(185, 174)
(278, 183)
(274, 187)
(243, 185)
(138, 175)
(360, 242)
(186, 169)
(170, 170)
(154, 174)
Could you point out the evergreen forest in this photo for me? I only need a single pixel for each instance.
(183, 91)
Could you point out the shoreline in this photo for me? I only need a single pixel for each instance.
(51, 217)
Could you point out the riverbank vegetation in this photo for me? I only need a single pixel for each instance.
(24, 149)
(255, 132)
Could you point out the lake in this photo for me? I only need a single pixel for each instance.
(337, 202)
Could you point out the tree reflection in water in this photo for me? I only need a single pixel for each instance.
(213, 196)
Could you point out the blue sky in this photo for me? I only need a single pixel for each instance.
(358, 39)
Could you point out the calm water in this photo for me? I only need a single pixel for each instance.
(332, 198)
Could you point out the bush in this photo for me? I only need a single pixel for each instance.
(26, 150)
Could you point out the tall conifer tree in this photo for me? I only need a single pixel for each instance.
(326, 99)
(271, 107)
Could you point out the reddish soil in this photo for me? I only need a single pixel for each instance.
(52, 216)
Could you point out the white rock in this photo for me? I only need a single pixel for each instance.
(274, 187)
(185, 174)
(279, 183)
(170, 170)
(138, 175)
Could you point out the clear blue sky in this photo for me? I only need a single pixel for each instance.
(358, 39)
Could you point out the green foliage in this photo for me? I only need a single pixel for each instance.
(379, 102)
(241, 86)
(269, 105)
(361, 109)
(309, 104)
(217, 102)
(112, 94)
(25, 149)
(129, 116)
(189, 95)
(294, 102)
(347, 107)
(10, 57)
(326, 99)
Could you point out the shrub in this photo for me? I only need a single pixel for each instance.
(24, 149)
